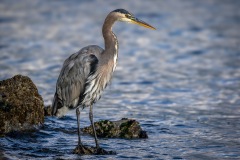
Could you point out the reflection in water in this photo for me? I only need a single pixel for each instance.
(181, 82)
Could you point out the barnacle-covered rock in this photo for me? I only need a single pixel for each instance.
(88, 150)
(21, 106)
(124, 128)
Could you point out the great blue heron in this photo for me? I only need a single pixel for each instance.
(85, 74)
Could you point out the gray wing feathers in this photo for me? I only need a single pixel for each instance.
(73, 76)
(71, 81)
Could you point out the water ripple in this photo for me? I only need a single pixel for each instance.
(181, 82)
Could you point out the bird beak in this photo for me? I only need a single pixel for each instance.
(142, 23)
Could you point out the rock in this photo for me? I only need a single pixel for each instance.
(87, 150)
(48, 110)
(124, 128)
(21, 106)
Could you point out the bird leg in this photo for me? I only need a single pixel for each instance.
(80, 149)
(93, 127)
(78, 123)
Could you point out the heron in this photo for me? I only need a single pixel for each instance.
(86, 73)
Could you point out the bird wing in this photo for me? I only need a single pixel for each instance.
(72, 79)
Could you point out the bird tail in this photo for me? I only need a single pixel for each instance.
(56, 104)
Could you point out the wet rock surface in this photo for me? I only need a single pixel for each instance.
(89, 150)
(124, 128)
(21, 106)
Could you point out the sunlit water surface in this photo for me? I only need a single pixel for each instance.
(181, 82)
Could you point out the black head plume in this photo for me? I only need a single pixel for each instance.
(123, 11)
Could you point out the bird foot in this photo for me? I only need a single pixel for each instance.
(80, 149)
(88, 150)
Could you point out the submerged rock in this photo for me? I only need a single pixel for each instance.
(124, 128)
(87, 150)
(21, 106)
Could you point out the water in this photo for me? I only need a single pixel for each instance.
(181, 82)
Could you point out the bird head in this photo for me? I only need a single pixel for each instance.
(126, 16)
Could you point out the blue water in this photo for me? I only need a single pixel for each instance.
(181, 82)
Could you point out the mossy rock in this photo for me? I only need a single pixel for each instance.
(21, 106)
(124, 128)
(89, 150)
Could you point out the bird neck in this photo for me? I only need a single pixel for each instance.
(111, 43)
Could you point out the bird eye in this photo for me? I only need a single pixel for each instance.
(128, 16)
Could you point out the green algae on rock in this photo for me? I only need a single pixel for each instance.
(124, 128)
(21, 106)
